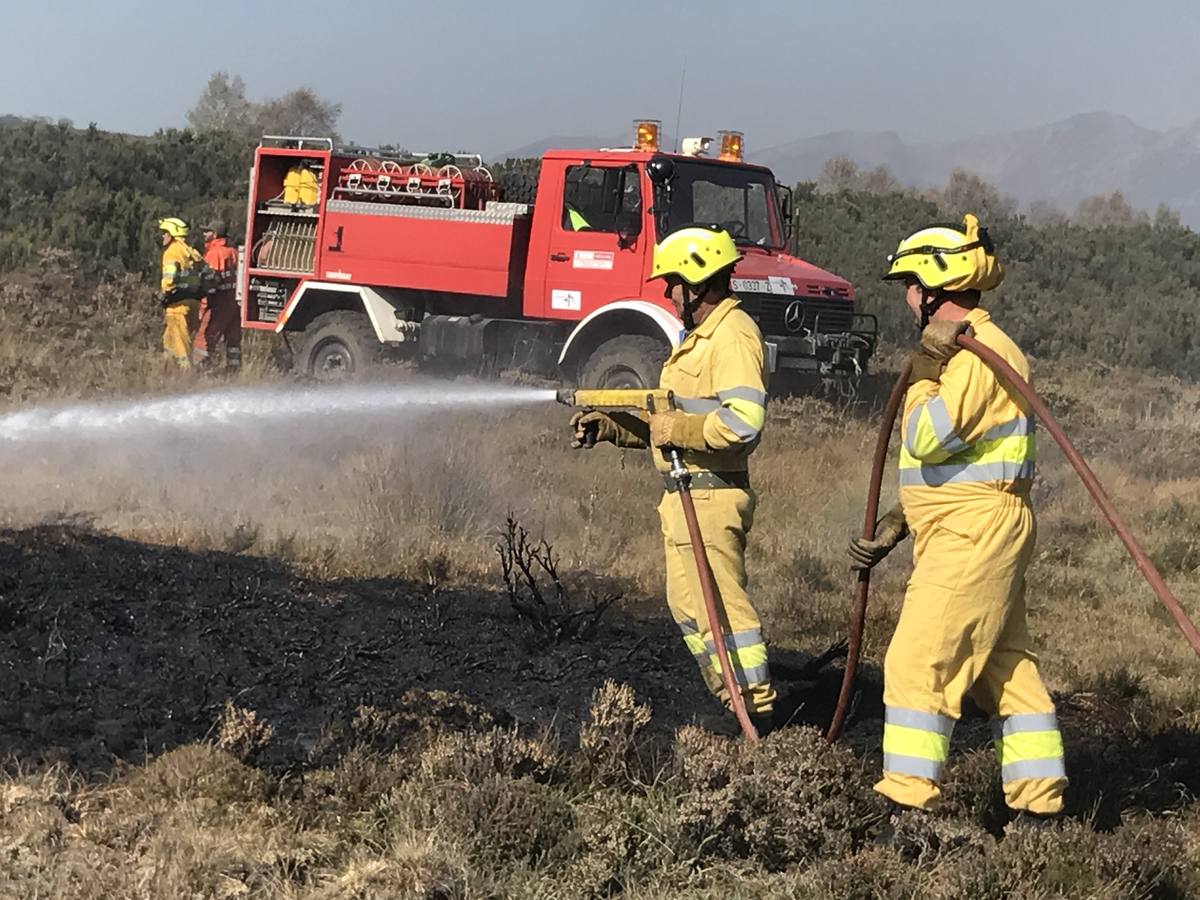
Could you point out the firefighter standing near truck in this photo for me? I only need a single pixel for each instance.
(220, 318)
(718, 374)
(181, 290)
(966, 468)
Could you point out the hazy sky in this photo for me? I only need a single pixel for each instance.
(499, 74)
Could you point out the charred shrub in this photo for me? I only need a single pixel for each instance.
(1070, 861)
(621, 840)
(608, 739)
(416, 717)
(784, 802)
(500, 820)
(474, 756)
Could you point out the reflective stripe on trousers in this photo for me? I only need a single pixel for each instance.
(916, 743)
(1029, 745)
(747, 653)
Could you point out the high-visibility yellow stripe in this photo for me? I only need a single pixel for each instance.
(1029, 745)
(904, 741)
(751, 413)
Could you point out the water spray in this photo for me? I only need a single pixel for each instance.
(251, 406)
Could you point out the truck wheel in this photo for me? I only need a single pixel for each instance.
(338, 345)
(628, 361)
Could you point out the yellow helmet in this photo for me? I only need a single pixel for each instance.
(947, 258)
(695, 253)
(176, 228)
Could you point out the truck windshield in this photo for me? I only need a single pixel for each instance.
(742, 201)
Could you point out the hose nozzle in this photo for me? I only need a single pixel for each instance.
(566, 396)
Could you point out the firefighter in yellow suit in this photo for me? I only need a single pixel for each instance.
(181, 266)
(718, 374)
(966, 467)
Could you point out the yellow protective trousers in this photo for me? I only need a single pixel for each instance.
(179, 321)
(963, 630)
(725, 516)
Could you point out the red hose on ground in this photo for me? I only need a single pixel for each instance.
(1051, 424)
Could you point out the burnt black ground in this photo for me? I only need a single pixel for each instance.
(113, 650)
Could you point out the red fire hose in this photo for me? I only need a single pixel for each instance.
(1051, 424)
(683, 485)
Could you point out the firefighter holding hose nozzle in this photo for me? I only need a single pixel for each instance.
(966, 468)
(718, 376)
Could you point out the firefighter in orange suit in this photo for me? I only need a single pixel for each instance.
(220, 317)
(718, 374)
(966, 467)
(181, 290)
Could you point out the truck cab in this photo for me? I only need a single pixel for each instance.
(597, 218)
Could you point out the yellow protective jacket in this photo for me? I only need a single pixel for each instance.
(719, 370)
(180, 271)
(966, 437)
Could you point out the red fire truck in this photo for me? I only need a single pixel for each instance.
(351, 253)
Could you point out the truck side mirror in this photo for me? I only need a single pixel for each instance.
(785, 208)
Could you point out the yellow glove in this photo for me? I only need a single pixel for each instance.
(591, 428)
(889, 532)
(679, 430)
(939, 340)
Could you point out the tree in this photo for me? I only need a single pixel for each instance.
(966, 192)
(223, 107)
(300, 112)
(1165, 217)
(1046, 214)
(843, 174)
(1108, 211)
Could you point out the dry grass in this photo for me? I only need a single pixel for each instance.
(388, 805)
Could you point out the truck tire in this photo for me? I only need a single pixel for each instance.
(338, 345)
(627, 361)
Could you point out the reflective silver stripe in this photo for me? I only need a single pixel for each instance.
(696, 406)
(737, 424)
(743, 393)
(960, 473)
(750, 675)
(688, 627)
(1024, 722)
(912, 765)
(910, 430)
(1033, 768)
(943, 429)
(739, 640)
(1018, 426)
(913, 718)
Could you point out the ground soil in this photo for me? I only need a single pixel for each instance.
(116, 650)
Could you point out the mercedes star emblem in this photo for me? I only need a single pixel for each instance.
(793, 316)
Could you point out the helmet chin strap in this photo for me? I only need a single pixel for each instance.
(692, 297)
(930, 301)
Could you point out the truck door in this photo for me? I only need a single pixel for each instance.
(596, 247)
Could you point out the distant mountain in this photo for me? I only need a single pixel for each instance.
(1063, 162)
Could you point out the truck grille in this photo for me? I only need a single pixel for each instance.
(820, 315)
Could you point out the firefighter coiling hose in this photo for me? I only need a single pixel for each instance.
(718, 379)
(966, 466)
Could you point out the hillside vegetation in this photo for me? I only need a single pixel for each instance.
(1125, 295)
